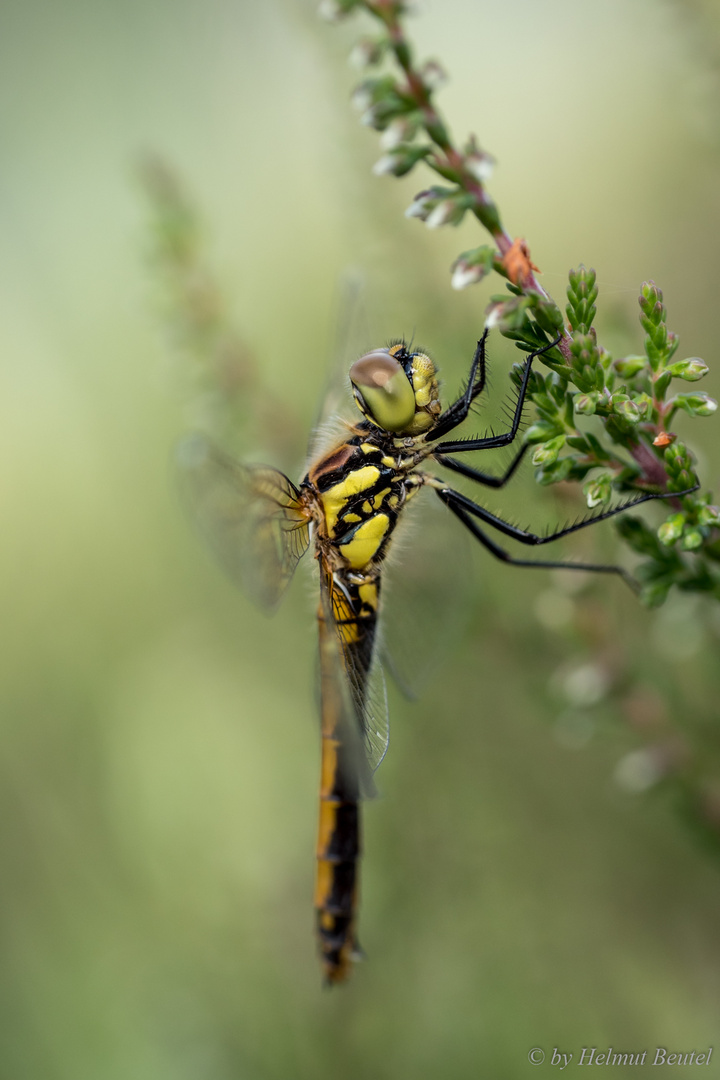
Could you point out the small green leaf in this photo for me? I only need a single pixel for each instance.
(661, 384)
(597, 447)
(654, 593)
(541, 432)
(637, 535)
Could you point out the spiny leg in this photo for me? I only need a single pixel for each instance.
(456, 501)
(482, 477)
(487, 442)
(458, 411)
(543, 564)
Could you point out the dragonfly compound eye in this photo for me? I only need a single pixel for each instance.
(383, 391)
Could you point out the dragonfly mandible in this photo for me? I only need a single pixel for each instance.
(347, 507)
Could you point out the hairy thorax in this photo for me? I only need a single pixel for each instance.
(357, 491)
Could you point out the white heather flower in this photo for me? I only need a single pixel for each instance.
(386, 165)
(433, 75)
(368, 117)
(480, 166)
(361, 97)
(441, 214)
(420, 207)
(465, 274)
(363, 54)
(494, 316)
(638, 771)
(330, 10)
(586, 685)
(395, 133)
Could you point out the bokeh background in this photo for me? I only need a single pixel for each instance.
(542, 869)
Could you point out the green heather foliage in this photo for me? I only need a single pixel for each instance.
(628, 448)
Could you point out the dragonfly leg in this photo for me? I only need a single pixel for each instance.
(466, 510)
(546, 564)
(460, 409)
(482, 477)
(457, 412)
(456, 501)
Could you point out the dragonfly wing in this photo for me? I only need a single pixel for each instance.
(253, 517)
(426, 598)
(359, 679)
(350, 340)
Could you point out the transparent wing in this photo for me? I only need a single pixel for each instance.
(251, 515)
(426, 598)
(350, 340)
(349, 658)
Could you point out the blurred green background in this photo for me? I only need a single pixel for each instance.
(542, 869)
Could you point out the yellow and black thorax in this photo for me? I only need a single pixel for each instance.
(360, 489)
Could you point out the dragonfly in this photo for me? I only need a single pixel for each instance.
(347, 508)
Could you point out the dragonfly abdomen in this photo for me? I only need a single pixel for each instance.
(347, 621)
(337, 870)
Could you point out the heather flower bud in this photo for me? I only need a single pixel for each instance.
(367, 52)
(400, 130)
(465, 274)
(626, 409)
(421, 205)
(472, 266)
(644, 404)
(334, 10)
(480, 165)
(629, 366)
(690, 370)
(691, 540)
(425, 202)
(547, 453)
(507, 314)
(448, 212)
(361, 97)
(709, 515)
(585, 404)
(433, 75)
(671, 530)
(696, 404)
(399, 161)
(598, 491)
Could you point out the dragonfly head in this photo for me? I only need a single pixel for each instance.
(397, 390)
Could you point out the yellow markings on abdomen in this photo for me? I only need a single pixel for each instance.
(323, 885)
(328, 766)
(366, 540)
(369, 594)
(327, 824)
(336, 497)
(380, 497)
